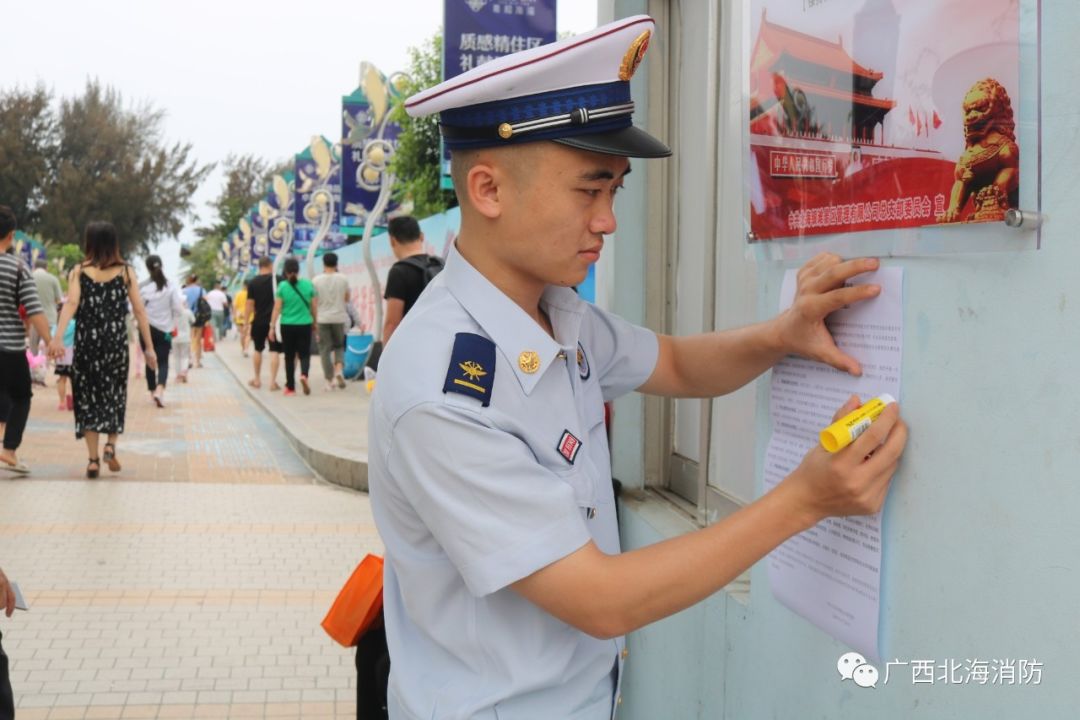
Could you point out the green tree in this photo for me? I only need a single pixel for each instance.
(102, 161)
(246, 180)
(202, 261)
(417, 160)
(62, 258)
(28, 142)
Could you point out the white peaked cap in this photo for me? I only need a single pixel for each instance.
(575, 91)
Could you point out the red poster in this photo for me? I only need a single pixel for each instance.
(881, 114)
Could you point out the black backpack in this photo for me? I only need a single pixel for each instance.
(202, 310)
(429, 265)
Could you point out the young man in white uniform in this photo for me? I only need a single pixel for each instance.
(506, 595)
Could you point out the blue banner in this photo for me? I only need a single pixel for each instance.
(279, 198)
(476, 31)
(317, 168)
(29, 249)
(246, 239)
(368, 138)
(234, 250)
(259, 246)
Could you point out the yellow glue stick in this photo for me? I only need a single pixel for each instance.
(844, 431)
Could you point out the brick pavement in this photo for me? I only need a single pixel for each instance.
(328, 427)
(189, 585)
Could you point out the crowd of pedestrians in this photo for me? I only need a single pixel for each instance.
(106, 326)
(109, 325)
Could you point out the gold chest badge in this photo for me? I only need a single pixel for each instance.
(529, 362)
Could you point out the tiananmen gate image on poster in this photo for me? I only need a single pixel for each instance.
(881, 114)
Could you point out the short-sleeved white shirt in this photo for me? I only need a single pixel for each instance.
(217, 300)
(470, 498)
(331, 289)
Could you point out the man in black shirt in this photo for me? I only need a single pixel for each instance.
(260, 307)
(409, 275)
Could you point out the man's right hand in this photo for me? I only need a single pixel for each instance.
(855, 480)
(7, 595)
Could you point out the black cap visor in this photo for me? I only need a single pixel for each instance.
(627, 142)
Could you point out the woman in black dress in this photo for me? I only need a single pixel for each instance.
(98, 296)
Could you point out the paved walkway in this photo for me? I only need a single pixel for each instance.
(327, 428)
(192, 583)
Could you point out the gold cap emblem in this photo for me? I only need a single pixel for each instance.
(634, 56)
(505, 131)
(529, 362)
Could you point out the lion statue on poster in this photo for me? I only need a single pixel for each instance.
(989, 168)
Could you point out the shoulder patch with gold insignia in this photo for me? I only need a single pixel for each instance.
(472, 367)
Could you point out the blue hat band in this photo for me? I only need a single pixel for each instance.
(568, 112)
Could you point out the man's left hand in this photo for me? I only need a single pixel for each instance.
(821, 291)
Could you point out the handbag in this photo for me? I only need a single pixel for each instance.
(358, 605)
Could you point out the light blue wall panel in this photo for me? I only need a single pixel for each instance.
(982, 534)
(628, 247)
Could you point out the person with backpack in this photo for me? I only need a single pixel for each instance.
(200, 308)
(411, 273)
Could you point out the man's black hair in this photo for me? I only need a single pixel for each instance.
(404, 229)
(7, 221)
(329, 260)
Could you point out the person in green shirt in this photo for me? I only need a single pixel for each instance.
(296, 305)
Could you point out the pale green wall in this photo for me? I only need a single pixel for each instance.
(982, 529)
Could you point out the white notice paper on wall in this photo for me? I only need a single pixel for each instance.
(831, 574)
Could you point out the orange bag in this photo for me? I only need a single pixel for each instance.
(358, 604)
(207, 338)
